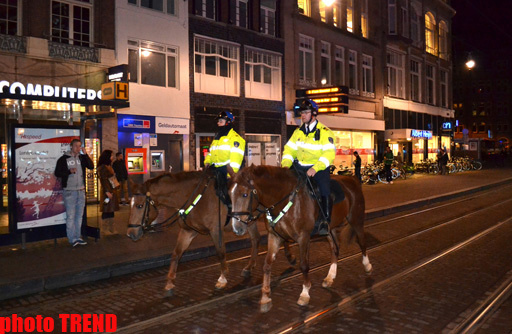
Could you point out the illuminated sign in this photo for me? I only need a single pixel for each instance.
(447, 126)
(115, 90)
(421, 134)
(118, 73)
(329, 100)
(136, 123)
(30, 91)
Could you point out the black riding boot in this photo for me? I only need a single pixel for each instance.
(326, 203)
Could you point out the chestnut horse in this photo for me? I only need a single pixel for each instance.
(172, 193)
(292, 212)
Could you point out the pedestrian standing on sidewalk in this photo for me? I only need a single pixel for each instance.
(71, 171)
(388, 161)
(444, 162)
(119, 166)
(357, 165)
(109, 202)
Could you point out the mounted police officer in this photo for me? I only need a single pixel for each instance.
(226, 154)
(312, 147)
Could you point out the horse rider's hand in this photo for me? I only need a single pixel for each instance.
(231, 172)
(206, 166)
(311, 172)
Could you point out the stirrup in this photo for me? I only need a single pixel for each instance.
(323, 229)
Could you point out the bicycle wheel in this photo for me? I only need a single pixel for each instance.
(477, 165)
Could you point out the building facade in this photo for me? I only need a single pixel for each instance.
(236, 64)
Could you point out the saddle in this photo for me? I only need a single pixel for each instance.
(337, 193)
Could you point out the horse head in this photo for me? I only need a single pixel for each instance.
(244, 198)
(139, 209)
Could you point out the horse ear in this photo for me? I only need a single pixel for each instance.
(137, 188)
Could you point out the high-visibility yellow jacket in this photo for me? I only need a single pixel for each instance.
(227, 149)
(308, 151)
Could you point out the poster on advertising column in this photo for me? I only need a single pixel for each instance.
(38, 192)
(253, 154)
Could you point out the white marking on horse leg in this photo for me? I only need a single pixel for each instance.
(221, 282)
(304, 296)
(332, 271)
(366, 263)
(132, 202)
(305, 291)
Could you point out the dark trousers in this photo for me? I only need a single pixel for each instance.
(387, 168)
(357, 170)
(221, 178)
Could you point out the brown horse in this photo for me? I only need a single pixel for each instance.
(292, 211)
(170, 193)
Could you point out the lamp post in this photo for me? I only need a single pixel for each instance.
(328, 2)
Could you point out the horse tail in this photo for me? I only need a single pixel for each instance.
(356, 212)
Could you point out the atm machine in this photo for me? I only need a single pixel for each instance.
(136, 159)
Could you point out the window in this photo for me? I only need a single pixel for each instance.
(304, 7)
(306, 60)
(481, 128)
(339, 66)
(239, 12)
(9, 17)
(430, 30)
(350, 15)
(205, 8)
(268, 17)
(415, 75)
(326, 64)
(72, 23)
(216, 66)
(262, 74)
(321, 9)
(153, 64)
(405, 19)
(444, 88)
(352, 72)
(368, 76)
(167, 6)
(430, 84)
(443, 40)
(415, 26)
(395, 74)
(336, 14)
(392, 17)
(364, 18)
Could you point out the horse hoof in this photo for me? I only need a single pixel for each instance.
(303, 301)
(264, 308)
(169, 293)
(246, 273)
(368, 268)
(220, 285)
(326, 283)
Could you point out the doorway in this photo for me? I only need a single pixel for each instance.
(175, 153)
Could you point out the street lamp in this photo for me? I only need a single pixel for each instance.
(470, 64)
(328, 2)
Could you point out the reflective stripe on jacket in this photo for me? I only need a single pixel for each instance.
(227, 149)
(310, 152)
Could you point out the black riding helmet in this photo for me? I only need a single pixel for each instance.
(307, 104)
(225, 115)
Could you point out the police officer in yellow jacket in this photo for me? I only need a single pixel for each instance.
(312, 147)
(226, 153)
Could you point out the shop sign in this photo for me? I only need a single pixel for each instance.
(115, 90)
(447, 126)
(179, 126)
(118, 73)
(424, 134)
(32, 91)
(328, 99)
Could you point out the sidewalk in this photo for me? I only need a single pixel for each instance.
(46, 265)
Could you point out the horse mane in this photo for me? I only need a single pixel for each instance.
(269, 173)
(175, 177)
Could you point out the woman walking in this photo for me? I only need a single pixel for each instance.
(109, 201)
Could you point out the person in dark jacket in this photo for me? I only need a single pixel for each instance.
(119, 166)
(444, 162)
(71, 171)
(357, 165)
(109, 202)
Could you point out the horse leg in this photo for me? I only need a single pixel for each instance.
(359, 230)
(289, 256)
(304, 267)
(255, 242)
(185, 237)
(274, 243)
(334, 241)
(221, 253)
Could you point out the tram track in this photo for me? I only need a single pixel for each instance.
(254, 290)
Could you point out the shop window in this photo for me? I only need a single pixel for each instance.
(71, 23)
(262, 75)
(167, 6)
(216, 67)
(153, 64)
(268, 17)
(9, 23)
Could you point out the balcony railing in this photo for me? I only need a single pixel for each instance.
(67, 51)
(11, 43)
